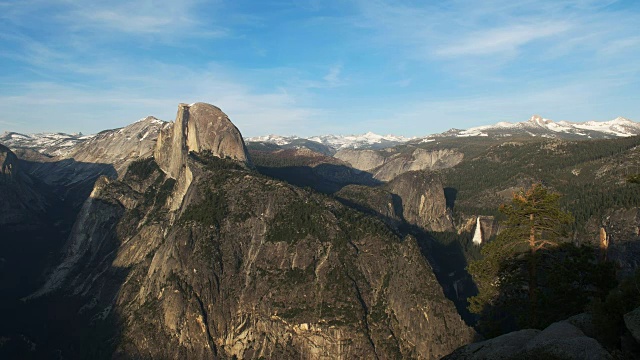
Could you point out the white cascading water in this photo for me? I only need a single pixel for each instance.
(477, 236)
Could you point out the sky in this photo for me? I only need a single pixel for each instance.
(311, 67)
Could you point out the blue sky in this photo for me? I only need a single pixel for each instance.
(311, 67)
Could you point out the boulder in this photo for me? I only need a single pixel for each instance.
(565, 341)
(507, 346)
(560, 340)
(632, 321)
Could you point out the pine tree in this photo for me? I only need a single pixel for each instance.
(534, 222)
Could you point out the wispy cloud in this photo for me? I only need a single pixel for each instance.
(333, 78)
(501, 40)
(497, 27)
(164, 17)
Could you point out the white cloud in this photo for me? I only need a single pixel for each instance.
(333, 77)
(506, 39)
(167, 19)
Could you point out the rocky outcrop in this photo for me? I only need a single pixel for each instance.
(423, 200)
(108, 153)
(632, 322)
(617, 234)
(560, 340)
(386, 164)
(198, 127)
(93, 230)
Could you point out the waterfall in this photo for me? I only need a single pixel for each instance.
(477, 235)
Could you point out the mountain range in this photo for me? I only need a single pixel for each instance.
(57, 144)
(536, 126)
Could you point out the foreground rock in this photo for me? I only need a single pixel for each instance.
(560, 340)
(632, 322)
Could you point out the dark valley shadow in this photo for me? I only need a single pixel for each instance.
(324, 178)
(44, 327)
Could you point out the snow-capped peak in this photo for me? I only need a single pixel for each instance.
(622, 120)
(273, 139)
(539, 120)
(539, 126)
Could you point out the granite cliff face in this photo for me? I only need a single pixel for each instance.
(423, 200)
(386, 164)
(198, 127)
(243, 265)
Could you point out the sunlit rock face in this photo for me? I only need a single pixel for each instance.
(385, 165)
(198, 127)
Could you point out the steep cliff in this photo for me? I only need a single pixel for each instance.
(361, 159)
(386, 164)
(423, 200)
(617, 234)
(198, 127)
(244, 266)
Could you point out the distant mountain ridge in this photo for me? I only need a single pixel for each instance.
(54, 144)
(536, 126)
(368, 140)
(539, 126)
(60, 144)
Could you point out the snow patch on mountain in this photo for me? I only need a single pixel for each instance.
(542, 127)
(338, 142)
(54, 144)
(61, 144)
(273, 139)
